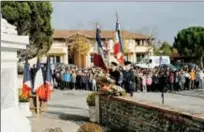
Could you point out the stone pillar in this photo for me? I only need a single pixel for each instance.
(66, 61)
(10, 43)
(135, 57)
(88, 60)
(141, 43)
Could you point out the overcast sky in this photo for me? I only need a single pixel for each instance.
(164, 19)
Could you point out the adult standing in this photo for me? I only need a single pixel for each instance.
(182, 80)
(201, 80)
(128, 79)
(172, 79)
(94, 87)
(114, 73)
(78, 80)
(73, 82)
(67, 79)
(192, 79)
(62, 79)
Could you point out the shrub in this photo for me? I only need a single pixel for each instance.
(90, 100)
(90, 127)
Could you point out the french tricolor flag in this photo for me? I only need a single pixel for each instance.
(48, 79)
(39, 88)
(118, 49)
(99, 58)
(27, 86)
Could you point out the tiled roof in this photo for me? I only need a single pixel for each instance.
(59, 34)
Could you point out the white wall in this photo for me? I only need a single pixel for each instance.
(12, 120)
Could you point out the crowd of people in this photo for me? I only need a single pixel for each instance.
(133, 79)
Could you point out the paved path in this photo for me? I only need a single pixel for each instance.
(193, 105)
(194, 93)
(68, 109)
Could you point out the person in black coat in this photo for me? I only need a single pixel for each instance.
(128, 78)
(78, 81)
(114, 73)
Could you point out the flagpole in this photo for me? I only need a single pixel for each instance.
(117, 21)
(116, 13)
(37, 114)
(37, 106)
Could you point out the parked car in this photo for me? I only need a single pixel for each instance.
(192, 65)
(170, 66)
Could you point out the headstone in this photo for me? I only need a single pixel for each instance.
(11, 118)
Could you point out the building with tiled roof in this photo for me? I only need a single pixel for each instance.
(138, 46)
(58, 34)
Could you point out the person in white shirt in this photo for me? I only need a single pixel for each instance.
(201, 79)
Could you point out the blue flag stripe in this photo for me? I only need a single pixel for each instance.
(26, 75)
(38, 66)
(48, 71)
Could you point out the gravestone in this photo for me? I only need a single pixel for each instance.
(11, 118)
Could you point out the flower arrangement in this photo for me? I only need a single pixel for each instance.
(107, 87)
(113, 90)
(90, 127)
(23, 99)
(90, 100)
(20, 97)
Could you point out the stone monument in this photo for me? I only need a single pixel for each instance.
(11, 118)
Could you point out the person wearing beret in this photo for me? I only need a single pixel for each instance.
(128, 78)
(114, 73)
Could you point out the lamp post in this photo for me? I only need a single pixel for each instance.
(160, 60)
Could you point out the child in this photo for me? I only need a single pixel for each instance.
(144, 86)
(149, 82)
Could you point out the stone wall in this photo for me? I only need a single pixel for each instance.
(127, 115)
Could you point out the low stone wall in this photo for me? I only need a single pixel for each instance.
(128, 115)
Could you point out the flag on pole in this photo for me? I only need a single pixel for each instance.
(99, 58)
(27, 85)
(118, 49)
(39, 82)
(48, 79)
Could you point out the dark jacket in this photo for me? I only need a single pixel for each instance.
(128, 80)
(115, 75)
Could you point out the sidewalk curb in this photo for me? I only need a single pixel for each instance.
(197, 96)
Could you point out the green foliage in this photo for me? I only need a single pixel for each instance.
(90, 127)
(166, 48)
(79, 43)
(190, 42)
(23, 99)
(90, 100)
(33, 19)
(174, 51)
